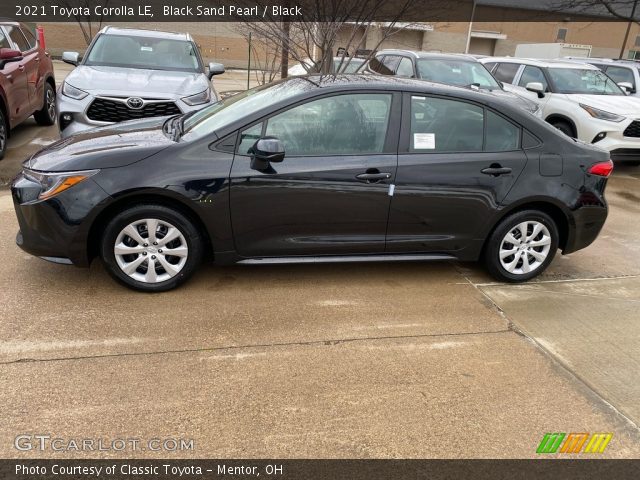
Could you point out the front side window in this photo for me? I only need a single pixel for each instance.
(18, 38)
(582, 81)
(31, 39)
(4, 43)
(248, 137)
(443, 125)
(339, 125)
(532, 74)
(405, 68)
(506, 72)
(144, 52)
(621, 74)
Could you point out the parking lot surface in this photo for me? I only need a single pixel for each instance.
(364, 360)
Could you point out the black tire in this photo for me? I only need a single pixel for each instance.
(564, 127)
(4, 134)
(495, 240)
(47, 114)
(190, 234)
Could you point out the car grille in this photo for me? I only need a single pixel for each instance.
(633, 130)
(105, 110)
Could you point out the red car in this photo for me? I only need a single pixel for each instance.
(27, 84)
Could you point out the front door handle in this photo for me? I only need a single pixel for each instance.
(21, 68)
(496, 170)
(371, 177)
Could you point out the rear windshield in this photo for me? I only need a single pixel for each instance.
(144, 52)
(579, 81)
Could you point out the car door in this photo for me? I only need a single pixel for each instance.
(533, 74)
(330, 194)
(15, 85)
(456, 163)
(34, 69)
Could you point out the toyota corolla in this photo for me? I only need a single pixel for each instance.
(316, 169)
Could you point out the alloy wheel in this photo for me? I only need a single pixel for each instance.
(51, 103)
(151, 250)
(525, 247)
(3, 136)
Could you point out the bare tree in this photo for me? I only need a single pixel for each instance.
(313, 42)
(265, 57)
(89, 24)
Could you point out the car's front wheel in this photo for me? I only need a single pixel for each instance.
(522, 246)
(151, 248)
(4, 134)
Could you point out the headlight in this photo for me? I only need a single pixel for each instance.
(601, 114)
(198, 98)
(73, 92)
(54, 183)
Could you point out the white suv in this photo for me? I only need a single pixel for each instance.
(579, 100)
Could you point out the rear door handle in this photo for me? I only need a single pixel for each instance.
(495, 171)
(373, 177)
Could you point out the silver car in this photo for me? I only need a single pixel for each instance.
(128, 74)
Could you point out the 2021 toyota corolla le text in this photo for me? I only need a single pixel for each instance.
(316, 169)
(131, 74)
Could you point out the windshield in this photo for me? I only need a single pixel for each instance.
(576, 80)
(144, 52)
(456, 72)
(234, 108)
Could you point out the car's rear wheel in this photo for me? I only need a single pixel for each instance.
(151, 248)
(522, 246)
(564, 127)
(47, 114)
(4, 134)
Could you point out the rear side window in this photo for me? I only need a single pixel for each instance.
(532, 74)
(443, 125)
(18, 38)
(405, 68)
(385, 64)
(621, 74)
(31, 39)
(506, 72)
(339, 125)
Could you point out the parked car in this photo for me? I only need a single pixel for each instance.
(579, 100)
(316, 169)
(129, 74)
(27, 82)
(450, 69)
(626, 73)
(340, 65)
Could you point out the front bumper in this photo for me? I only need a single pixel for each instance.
(77, 110)
(56, 229)
(614, 138)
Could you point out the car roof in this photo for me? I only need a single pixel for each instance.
(8, 21)
(607, 61)
(140, 32)
(543, 63)
(431, 55)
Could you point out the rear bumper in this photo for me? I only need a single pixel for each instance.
(56, 229)
(587, 223)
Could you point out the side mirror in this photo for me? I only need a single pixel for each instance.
(265, 151)
(215, 69)
(9, 55)
(536, 87)
(71, 58)
(626, 86)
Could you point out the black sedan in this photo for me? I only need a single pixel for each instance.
(316, 169)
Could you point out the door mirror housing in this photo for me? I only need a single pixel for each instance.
(265, 151)
(536, 87)
(626, 87)
(71, 58)
(9, 55)
(215, 69)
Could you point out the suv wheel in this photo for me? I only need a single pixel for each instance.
(151, 248)
(4, 134)
(47, 115)
(522, 246)
(564, 127)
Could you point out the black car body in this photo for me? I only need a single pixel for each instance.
(351, 186)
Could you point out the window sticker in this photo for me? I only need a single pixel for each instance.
(146, 49)
(424, 141)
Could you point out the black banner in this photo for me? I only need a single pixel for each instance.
(318, 10)
(547, 469)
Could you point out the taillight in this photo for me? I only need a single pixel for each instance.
(602, 169)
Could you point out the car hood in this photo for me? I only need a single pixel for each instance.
(620, 104)
(136, 81)
(105, 147)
